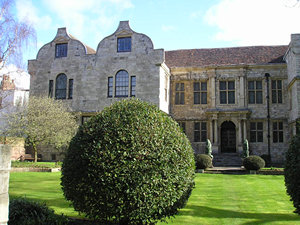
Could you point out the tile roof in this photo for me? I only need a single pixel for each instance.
(256, 55)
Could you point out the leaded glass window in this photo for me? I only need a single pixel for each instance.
(227, 92)
(200, 132)
(256, 132)
(277, 131)
(255, 92)
(61, 86)
(124, 44)
(200, 92)
(179, 94)
(110, 87)
(276, 91)
(70, 94)
(61, 50)
(132, 87)
(122, 83)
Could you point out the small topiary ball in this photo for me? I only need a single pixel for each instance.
(253, 162)
(130, 164)
(203, 161)
(292, 172)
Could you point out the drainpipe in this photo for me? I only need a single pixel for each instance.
(267, 76)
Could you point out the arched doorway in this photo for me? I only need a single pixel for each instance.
(228, 137)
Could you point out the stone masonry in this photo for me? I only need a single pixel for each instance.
(217, 94)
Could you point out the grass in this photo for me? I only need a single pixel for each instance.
(216, 199)
(19, 164)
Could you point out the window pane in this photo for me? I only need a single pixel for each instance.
(203, 136)
(196, 86)
(251, 97)
(182, 98)
(280, 138)
(252, 136)
(223, 99)
(275, 137)
(279, 94)
(259, 97)
(61, 87)
(252, 126)
(279, 86)
(203, 98)
(177, 87)
(70, 89)
(133, 84)
(251, 85)
(280, 126)
(177, 98)
(230, 85)
(223, 85)
(260, 136)
(196, 97)
(231, 97)
(181, 86)
(203, 86)
(197, 126)
(203, 126)
(258, 85)
(274, 96)
(259, 126)
(273, 84)
(275, 126)
(122, 81)
(110, 87)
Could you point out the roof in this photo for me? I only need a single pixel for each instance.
(254, 55)
(89, 50)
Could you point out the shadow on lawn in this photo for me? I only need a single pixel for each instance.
(261, 218)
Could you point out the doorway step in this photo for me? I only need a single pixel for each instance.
(227, 159)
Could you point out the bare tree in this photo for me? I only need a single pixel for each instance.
(14, 35)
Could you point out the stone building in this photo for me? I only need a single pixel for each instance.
(217, 94)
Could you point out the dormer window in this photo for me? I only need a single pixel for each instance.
(61, 50)
(124, 44)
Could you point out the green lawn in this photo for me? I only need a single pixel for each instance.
(19, 164)
(217, 198)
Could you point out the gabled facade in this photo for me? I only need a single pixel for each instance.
(217, 94)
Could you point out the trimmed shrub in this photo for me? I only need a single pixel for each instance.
(292, 172)
(130, 164)
(253, 162)
(25, 212)
(203, 161)
(267, 159)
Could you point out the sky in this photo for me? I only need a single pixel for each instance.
(171, 24)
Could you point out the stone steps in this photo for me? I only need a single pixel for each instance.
(227, 160)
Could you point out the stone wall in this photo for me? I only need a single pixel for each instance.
(5, 165)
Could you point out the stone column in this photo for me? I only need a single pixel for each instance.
(216, 132)
(5, 164)
(213, 91)
(212, 131)
(240, 132)
(245, 129)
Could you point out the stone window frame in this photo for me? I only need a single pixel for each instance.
(61, 50)
(132, 86)
(277, 92)
(121, 84)
(228, 92)
(256, 133)
(201, 92)
(179, 93)
(61, 86)
(121, 87)
(110, 87)
(200, 131)
(256, 92)
(277, 131)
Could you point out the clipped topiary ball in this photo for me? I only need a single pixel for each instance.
(203, 161)
(130, 164)
(292, 172)
(253, 162)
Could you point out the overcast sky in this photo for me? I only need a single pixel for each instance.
(171, 24)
